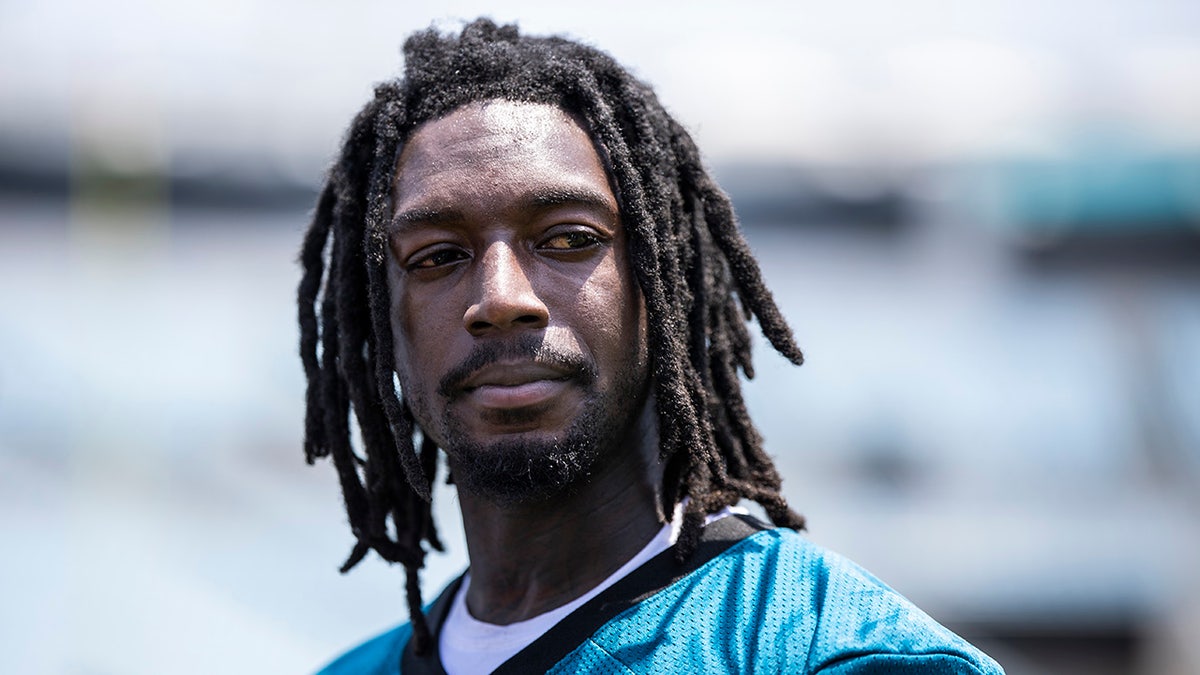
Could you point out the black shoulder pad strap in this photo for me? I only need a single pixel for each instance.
(656, 574)
(430, 664)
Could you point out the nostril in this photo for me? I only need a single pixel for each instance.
(528, 319)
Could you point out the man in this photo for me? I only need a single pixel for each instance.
(529, 268)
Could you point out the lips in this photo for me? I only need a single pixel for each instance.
(515, 385)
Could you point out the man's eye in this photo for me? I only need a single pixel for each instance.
(571, 240)
(437, 258)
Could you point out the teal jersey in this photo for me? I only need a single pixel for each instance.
(758, 601)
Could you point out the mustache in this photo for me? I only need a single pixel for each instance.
(524, 348)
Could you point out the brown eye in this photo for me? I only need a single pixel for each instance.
(570, 240)
(437, 258)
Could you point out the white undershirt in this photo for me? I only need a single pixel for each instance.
(468, 646)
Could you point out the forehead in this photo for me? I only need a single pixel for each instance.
(499, 148)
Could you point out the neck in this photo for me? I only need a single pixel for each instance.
(527, 559)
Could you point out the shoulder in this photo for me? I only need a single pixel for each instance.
(776, 602)
(379, 655)
(862, 625)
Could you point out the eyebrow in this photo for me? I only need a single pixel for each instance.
(410, 218)
(542, 199)
(571, 196)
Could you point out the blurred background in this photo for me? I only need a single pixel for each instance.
(982, 219)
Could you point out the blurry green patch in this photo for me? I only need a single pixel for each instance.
(96, 184)
(1101, 193)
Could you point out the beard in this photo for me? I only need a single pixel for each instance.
(517, 470)
(524, 471)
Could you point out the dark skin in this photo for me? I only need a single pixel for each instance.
(507, 230)
(529, 559)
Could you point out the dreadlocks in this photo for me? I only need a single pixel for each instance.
(700, 283)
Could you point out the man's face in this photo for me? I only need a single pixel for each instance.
(519, 331)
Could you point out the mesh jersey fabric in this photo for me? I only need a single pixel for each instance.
(772, 603)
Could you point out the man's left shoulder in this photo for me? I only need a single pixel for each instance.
(776, 602)
(862, 625)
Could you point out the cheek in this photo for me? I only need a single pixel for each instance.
(428, 337)
(396, 314)
(415, 340)
(612, 309)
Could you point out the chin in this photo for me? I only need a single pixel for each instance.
(525, 469)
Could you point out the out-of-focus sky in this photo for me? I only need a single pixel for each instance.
(847, 81)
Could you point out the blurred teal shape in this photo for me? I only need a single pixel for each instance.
(1102, 188)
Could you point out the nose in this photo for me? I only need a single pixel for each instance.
(505, 298)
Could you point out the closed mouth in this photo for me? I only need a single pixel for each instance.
(513, 375)
(515, 386)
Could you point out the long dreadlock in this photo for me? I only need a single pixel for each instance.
(700, 283)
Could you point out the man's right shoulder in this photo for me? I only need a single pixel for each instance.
(379, 655)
